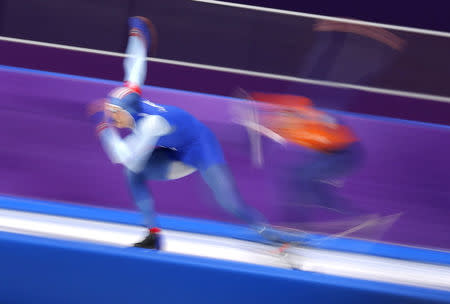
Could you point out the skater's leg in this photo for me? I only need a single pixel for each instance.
(135, 64)
(159, 167)
(220, 181)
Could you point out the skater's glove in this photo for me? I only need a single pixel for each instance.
(96, 111)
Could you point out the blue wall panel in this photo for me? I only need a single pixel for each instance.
(38, 270)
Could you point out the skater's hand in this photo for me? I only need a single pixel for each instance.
(96, 110)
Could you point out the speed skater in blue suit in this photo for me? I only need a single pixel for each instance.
(166, 143)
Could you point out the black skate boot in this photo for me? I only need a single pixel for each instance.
(152, 240)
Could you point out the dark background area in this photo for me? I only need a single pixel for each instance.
(243, 39)
(433, 15)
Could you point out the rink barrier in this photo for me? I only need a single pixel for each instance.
(44, 270)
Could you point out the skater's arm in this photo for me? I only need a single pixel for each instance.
(248, 116)
(134, 151)
(264, 131)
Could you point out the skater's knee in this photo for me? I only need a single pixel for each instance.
(133, 177)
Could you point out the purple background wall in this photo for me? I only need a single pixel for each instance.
(199, 80)
(49, 151)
